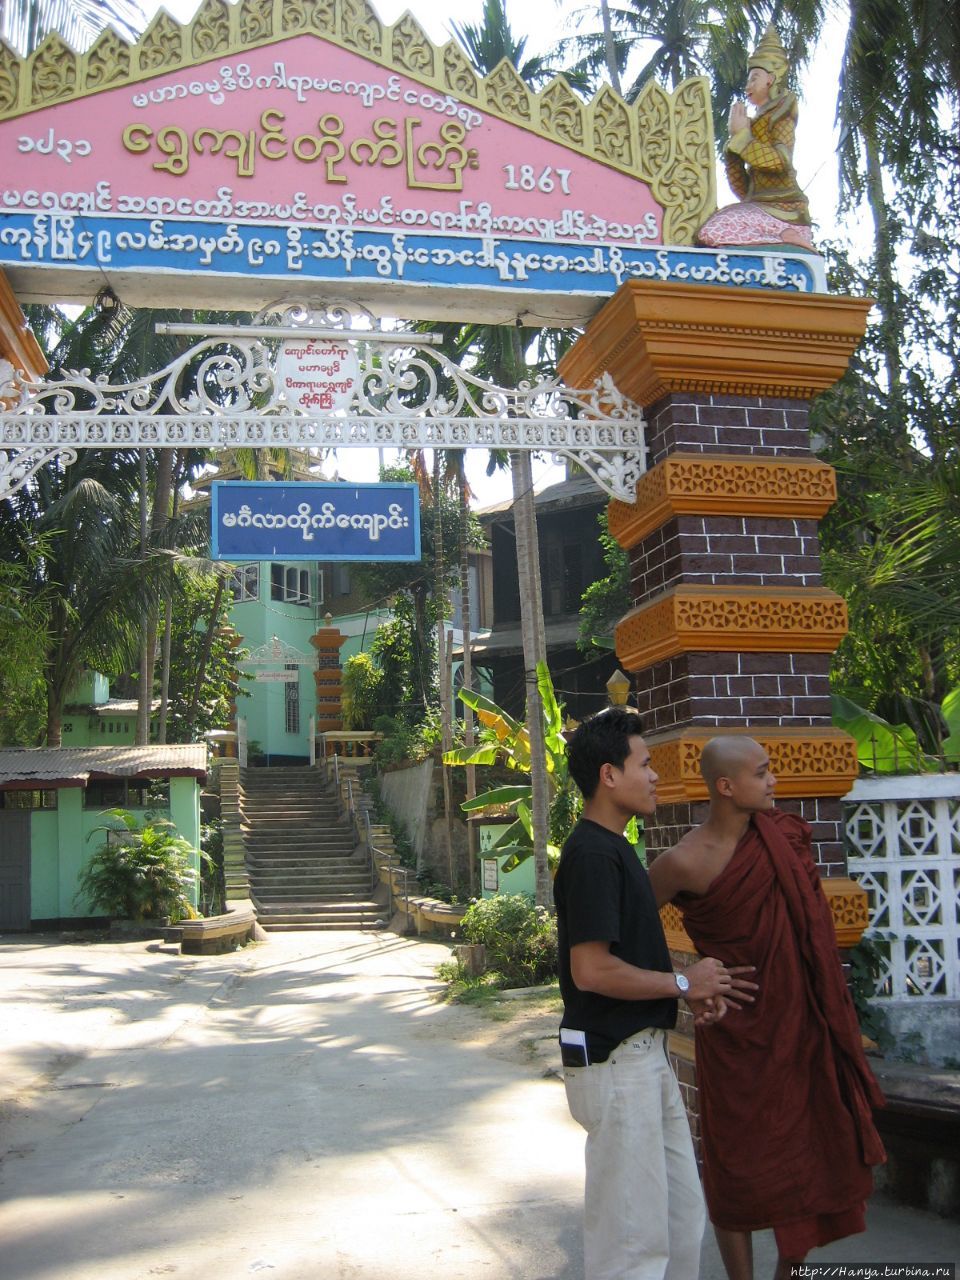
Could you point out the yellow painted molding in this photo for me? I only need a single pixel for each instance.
(677, 937)
(656, 339)
(664, 139)
(17, 343)
(807, 761)
(846, 900)
(721, 619)
(723, 484)
(849, 908)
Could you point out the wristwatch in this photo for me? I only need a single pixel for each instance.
(683, 983)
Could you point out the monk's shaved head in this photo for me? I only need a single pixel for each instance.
(724, 757)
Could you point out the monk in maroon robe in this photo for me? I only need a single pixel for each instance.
(786, 1094)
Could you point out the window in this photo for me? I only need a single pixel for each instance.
(123, 793)
(342, 572)
(291, 700)
(289, 584)
(28, 799)
(245, 583)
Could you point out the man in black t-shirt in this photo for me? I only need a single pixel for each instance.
(644, 1207)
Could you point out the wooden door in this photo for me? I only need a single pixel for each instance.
(14, 870)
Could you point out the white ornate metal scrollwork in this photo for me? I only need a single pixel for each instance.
(223, 392)
(276, 651)
(17, 466)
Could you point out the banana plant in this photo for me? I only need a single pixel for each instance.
(894, 748)
(502, 739)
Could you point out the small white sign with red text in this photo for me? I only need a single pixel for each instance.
(318, 373)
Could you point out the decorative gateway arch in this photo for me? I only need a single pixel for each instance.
(311, 151)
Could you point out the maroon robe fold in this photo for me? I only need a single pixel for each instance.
(785, 1090)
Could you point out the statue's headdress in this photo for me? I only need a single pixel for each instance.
(771, 57)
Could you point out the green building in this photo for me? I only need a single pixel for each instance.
(53, 799)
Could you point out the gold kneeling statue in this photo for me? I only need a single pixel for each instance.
(772, 209)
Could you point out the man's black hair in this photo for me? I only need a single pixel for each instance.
(603, 739)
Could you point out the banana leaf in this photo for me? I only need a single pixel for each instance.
(499, 795)
(882, 747)
(484, 754)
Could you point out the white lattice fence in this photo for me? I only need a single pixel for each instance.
(903, 846)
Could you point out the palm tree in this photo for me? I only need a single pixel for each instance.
(500, 356)
(25, 25)
(88, 575)
(493, 41)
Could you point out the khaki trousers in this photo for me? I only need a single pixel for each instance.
(644, 1214)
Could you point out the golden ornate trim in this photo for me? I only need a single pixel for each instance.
(665, 139)
(677, 937)
(723, 484)
(721, 619)
(846, 900)
(658, 339)
(807, 761)
(849, 908)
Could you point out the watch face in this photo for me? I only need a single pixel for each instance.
(683, 984)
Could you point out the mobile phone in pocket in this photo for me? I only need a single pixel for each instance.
(573, 1048)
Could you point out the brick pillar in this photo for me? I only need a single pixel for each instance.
(328, 679)
(731, 628)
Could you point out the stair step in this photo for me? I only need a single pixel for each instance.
(285, 903)
(361, 923)
(294, 883)
(293, 913)
(300, 854)
(296, 840)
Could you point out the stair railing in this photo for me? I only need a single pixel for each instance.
(359, 816)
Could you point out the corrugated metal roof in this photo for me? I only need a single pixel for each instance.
(121, 706)
(580, 491)
(73, 766)
(112, 706)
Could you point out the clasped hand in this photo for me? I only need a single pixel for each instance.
(738, 117)
(714, 988)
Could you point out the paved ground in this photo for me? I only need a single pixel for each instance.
(304, 1108)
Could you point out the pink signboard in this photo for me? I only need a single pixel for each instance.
(265, 138)
(300, 161)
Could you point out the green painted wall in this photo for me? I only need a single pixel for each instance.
(72, 850)
(99, 731)
(185, 816)
(91, 686)
(522, 880)
(258, 621)
(44, 865)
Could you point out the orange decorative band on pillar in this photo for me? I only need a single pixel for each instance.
(846, 900)
(328, 638)
(721, 619)
(655, 339)
(807, 761)
(723, 484)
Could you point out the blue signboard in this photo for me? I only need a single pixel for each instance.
(265, 520)
(164, 248)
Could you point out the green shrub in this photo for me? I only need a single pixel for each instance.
(520, 938)
(139, 873)
(362, 689)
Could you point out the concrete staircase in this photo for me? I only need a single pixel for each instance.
(301, 858)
